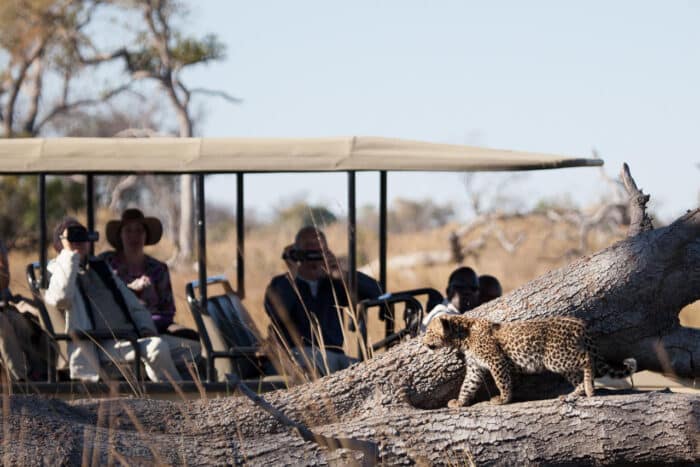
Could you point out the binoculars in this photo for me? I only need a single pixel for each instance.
(78, 234)
(303, 255)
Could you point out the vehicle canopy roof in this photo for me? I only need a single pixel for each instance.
(94, 156)
(221, 155)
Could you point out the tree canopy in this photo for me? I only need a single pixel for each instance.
(56, 67)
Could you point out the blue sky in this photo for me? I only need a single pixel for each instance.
(546, 76)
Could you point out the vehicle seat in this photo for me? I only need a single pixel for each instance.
(229, 339)
(50, 318)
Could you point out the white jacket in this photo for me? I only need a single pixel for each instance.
(63, 293)
(444, 308)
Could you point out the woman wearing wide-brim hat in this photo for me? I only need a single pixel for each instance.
(151, 226)
(147, 277)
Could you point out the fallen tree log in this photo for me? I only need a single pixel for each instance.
(648, 428)
(630, 294)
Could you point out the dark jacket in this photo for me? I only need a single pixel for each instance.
(289, 314)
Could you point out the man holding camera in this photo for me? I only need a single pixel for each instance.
(94, 299)
(305, 305)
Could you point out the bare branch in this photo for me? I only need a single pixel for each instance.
(67, 77)
(185, 92)
(88, 16)
(165, 28)
(217, 93)
(124, 184)
(489, 228)
(17, 84)
(104, 57)
(507, 244)
(639, 219)
(65, 107)
(160, 37)
(34, 97)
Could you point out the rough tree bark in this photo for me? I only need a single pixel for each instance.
(391, 409)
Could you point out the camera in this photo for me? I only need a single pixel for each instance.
(78, 234)
(303, 255)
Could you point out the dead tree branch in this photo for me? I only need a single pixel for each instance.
(639, 219)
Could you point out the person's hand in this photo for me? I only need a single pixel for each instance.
(65, 243)
(140, 283)
(292, 266)
(78, 248)
(82, 249)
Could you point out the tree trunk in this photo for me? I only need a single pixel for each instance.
(186, 227)
(391, 409)
(646, 428)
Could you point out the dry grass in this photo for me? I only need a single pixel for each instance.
(545, 247)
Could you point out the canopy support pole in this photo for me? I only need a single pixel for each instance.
(42, 231)
(240, 236)
(388, 312)
(352, 237)
(382, 229)
(202, 241)
(90, 206)
(360, 317)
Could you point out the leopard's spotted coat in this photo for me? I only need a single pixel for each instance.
(560, 345)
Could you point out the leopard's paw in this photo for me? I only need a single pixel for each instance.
(454, 403)
(498, 400)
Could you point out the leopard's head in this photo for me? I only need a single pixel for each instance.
(447, 331)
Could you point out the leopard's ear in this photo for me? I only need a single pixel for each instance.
(455, 326)
(448, 327)
(465, 326)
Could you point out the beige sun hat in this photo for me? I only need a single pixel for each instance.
(153, 227)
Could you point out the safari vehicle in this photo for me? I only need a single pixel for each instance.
(227, 344)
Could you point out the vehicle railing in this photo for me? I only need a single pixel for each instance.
(220, 279)
(412, 314)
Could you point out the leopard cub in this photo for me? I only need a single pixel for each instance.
(560, 345)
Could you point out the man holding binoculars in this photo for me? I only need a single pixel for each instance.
(305, 304)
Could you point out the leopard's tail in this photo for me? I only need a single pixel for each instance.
(604, 368)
